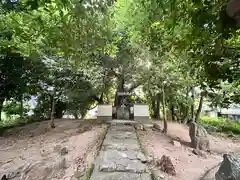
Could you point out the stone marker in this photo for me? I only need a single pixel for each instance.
(141, 113)
(104, 112)
(199, 137)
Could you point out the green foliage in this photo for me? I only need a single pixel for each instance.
(80, 53)
(222, 125)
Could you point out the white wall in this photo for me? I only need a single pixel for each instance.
(141, 110)
(104, 110)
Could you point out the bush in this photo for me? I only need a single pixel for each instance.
(16, 121)
(222, 125)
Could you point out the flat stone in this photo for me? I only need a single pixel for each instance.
(118, 147)
(115, 155)
(121, 145)
(129, 143)
(176, 143)
(128, 161)
(119, 176)
(141, 157)
(108, 167)
(122, 128)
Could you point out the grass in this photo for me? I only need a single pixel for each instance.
(221, 124)
(15, 121)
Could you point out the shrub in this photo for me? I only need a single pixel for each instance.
(221, 124)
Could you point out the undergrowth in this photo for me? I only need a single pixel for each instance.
(221, 124)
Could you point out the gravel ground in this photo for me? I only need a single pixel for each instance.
(37, 152)
(187, 165)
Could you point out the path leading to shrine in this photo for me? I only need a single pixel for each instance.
(121, 156)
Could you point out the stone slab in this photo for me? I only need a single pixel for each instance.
(121, 135)
(113, 155)
(117, 164)
(141, 110)
(122, 127)
(104, 110)
(130, 143)
(119, 176)
(106, 118)
(120, 145)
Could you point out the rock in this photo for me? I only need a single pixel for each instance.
(140, 127)
(4, 177)
(229, 168)
(61, 150)
(176, 143)
(141, 157)
(199, 153)
(231, 135)
(60, 163)
(199, 137)
(157, 174)
(165, 164)
(57, 148)
(84, 128)
(108, 167)
(156, 127)
(14, 173)
(210, 174)
(149, 159)
(39, 170)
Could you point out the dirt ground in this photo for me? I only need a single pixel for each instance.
(36, 152)
(188, 166)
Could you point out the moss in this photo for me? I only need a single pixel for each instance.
(89, 172)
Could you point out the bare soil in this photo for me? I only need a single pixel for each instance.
(188, 165)
(33, 151)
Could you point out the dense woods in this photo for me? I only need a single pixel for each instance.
(72, 55)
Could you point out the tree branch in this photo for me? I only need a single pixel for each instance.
(134, 86)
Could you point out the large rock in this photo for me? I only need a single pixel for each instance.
(40, 170)
(229, 168)
(199, 137)
(165, 164)
(210, 174)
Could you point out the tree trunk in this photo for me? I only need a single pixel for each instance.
(164, 111)
(59, 109)
(75, 114)
(1, 106)
(186, 109)
(172, 112)
(192, 105)
(156, 109)
(52, 113)
(199, 108)
(101, 99)
(153, 108)
(185, 118)
(21, 107)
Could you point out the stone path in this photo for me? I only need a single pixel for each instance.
(120, 157)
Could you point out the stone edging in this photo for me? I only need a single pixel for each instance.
(90, 166)
(154, 175)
